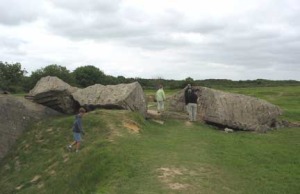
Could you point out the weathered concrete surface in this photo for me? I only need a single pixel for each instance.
(230, 110)
(54, 93)
(16, 113)
(50, 83)
(121, 96)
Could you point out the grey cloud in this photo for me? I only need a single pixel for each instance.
(10, 42)
(206, 28)
(253, 40)
(98, 28)
(247, 54)
(102, 22)
(14, 12)
(79, 6)
(155, 42)
(10, 46)
(257, 40)
(127, 26)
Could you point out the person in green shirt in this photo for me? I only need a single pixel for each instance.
(160, 98)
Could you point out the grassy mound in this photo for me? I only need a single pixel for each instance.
(40, 162)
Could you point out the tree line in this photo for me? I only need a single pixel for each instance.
(14, 79)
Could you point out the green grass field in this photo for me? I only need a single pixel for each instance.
(124, 154)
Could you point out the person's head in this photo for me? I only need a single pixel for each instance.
(189, 86)
(160, 86)
(82, 111)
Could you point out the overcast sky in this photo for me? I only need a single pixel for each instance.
(171, 39)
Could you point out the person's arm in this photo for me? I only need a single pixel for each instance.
(185, 97)
(164, 95)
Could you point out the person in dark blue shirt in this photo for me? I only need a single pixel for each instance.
(77, 130)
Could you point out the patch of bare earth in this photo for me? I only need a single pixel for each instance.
(178, 186)
(19, 187)
(185, 180)
(188, 123)
(168, 176)
(35, 179)
(131, 126)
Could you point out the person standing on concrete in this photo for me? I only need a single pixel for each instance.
(160, 98)
(187, 96)
(193, 105)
